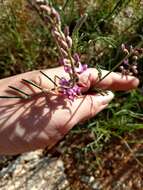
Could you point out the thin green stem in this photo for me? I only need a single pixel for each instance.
(80, 22)
(72, 67)
(65, 4)
(115, 67)
(48, 78)
(19, 91)
(21, 97)
(32, 83)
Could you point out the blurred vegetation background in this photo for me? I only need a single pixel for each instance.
(26, 44)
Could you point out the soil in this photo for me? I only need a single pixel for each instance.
(119, 166)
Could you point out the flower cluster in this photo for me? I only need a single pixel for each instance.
(70, 61)
(129, 64)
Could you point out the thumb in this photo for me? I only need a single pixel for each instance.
(93, 104)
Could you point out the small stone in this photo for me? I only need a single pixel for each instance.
(95, 186)
(91, 179)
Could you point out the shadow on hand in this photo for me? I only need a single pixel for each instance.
(28, 122)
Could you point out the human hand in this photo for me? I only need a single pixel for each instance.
(44, 119)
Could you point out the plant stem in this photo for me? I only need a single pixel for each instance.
(32, 83)
(115, 67)
(21, 97)
(19, 91)
(49, 78)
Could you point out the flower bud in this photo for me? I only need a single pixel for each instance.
(135, 57)
(131, 49)
(64, 82)
(126, 51)
(56, 33)
(66, 31)
(64, 61)
(46, 8)
(40, 1)
(69, 41)
(64, 53)
(121, 68)
(135, 71)
(56, 15)
(67, 69)
(81, 68)
(131, 74)
(136, 53)
(123, 47)
(134, 67)
(63, 44)
(126, 62)
(76, 57)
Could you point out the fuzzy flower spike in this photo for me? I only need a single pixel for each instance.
(70, 62)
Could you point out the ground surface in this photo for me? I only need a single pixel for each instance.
(117, 167)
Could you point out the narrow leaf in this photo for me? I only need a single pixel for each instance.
(20, 91)
(49, 78)
(32, 83)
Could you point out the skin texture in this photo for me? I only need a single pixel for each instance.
(43, 120)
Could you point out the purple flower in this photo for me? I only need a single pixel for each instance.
(67, 90)
(67, 69)
(76, 90)
(126, 62)
(69, 60)
(76, 57)
(64, 61)
(81, 68)
(64, 82)
(71, 92)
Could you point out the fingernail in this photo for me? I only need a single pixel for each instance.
(84, 82)
(105, 99)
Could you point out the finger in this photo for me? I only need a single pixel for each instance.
(90, 105)
(114, 81)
